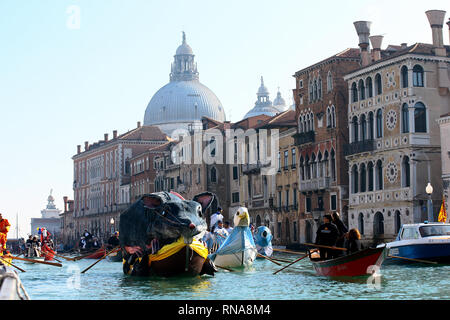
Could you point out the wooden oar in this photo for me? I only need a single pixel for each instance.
(267, 258)
(290, 264)
(287, 251)
(112, 251)
(11, 264)
(37, 261)
(281, 260)
(67, 258)
(325, 247)
(228, 269)
(416, 260)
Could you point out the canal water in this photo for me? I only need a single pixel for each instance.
(106, 281)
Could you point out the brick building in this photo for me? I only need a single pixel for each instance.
(321, 113)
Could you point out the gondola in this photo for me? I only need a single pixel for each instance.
(355, 264)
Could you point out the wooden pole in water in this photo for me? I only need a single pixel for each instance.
(267, 258)
(290, 264)
(287, 251)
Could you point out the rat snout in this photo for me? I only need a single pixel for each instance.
(192, 226)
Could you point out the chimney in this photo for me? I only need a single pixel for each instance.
(138, 124)
(86, 145)
(376, 45)
(106, 137)
(448, 23)
(65, 203)
(436, 20)
(363, 31)
(114, 134)
(78, 149)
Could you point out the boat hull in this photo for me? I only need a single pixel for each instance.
(356, 264)
(438, 252)
(243, 258)
(97, 254)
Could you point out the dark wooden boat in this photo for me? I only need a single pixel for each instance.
(356, 264)
(97, 254)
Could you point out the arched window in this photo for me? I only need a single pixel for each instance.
(311, 90)
(354, 92)
(319, 89)
(307, 127)
(320, 163)
(406, 173)
(329, 122)
(378, 224)
(213, 175)
(369, 87)
(314, 166)
(333, 165)
(362, 90)
(420, 118)
(333, 117)
(418, 76)
(355, 178)
(302, 169)
(405, 118)
(307, 168)
(361, 223)
(363, 178)
(355, 128)
(370, 176)
(379, 175)
(404, 77)
(370, 125)
(300, 124)
(398, 221)
(315, 95)
(325, 161)
(378, 84)
(363, 128)
(379, 123)
(329, 82)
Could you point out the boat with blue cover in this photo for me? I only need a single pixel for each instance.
(422, 241)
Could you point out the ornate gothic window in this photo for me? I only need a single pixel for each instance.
(363, 178)
(362, 90)
(329, 82)
(363, 128)
(405, 118)
(378, 84)
(420, 117)
(404, 77)
(369, 87)
(406, 172)
(355, 128)
(379, 123)
(379, 175)
(371, 126)
(355, 178)
(354, 92)
(370, 176)
(361, 223)
(418, 76)
(378, 224)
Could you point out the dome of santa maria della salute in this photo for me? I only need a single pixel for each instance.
(184, 100)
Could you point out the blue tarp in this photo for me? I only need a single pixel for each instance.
(240, 238)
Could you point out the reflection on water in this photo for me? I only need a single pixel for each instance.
(299, 281)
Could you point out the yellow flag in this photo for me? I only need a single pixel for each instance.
(442, 213)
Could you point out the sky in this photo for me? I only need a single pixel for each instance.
(72, 70)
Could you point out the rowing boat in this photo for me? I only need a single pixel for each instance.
(359, 263)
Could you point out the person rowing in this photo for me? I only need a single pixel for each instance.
(327, 235)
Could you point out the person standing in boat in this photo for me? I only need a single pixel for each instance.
(4, 225)
(113, 241)
(327, 235)
(342, 229)
(215, 218)
(353, 243)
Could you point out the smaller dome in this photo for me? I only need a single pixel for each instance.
(184, 48)
(279, 101)
(262, 89)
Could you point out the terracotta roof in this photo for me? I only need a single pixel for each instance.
(152, 133)
(349, 53)
(251, 122)
(284, 119)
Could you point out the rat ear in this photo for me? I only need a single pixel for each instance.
(205, 199)
(152, 201)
